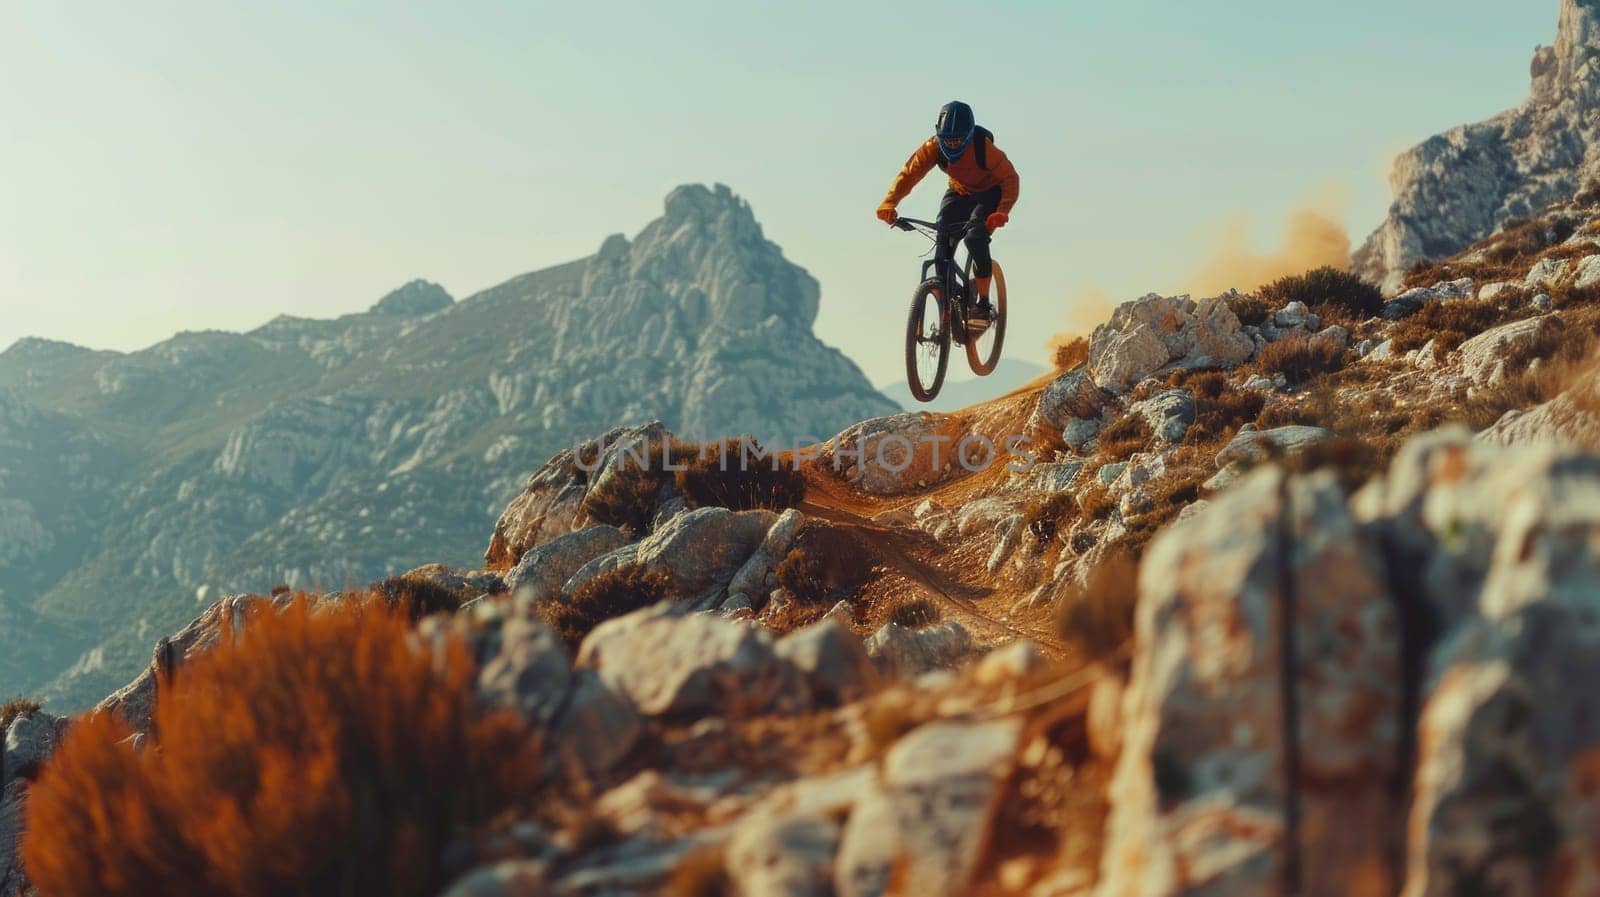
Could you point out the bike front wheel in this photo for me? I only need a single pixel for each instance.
(927, 341)
(983, 353)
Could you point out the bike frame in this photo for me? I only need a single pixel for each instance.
(943, 263)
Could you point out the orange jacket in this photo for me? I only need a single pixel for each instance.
(965, 175)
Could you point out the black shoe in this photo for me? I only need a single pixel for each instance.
(979, 317)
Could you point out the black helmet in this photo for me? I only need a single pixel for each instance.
(954, 129)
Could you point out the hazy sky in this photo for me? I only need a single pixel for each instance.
(193, 165)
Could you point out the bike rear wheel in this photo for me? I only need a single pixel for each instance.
(927, 341)
(983, 353)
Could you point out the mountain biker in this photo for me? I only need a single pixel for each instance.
(983, 188)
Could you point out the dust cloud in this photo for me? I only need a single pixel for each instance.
(1313, 236)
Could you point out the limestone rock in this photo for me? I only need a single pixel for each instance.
(543, 570)
(1071, 396)
(1460, 186)
(530, 673)
(1250, 445)
(669, 661)
(788, 857)
(1481, 353)
(832, 660)
(1169, 414)
(894, 454)
(903, 653)
(1146, 335)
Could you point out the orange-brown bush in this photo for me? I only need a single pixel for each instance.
(1328, 291)
(627, 494)
(613, 593)
(1070, 354)
(1050, 515)
(1250, 310)
(738, 474)
(1449, 324)
(322, 753)
(1096, 619)
(824, 564)
(1126, 435)
(1221, 409)
(1299, 357)
(15, 709)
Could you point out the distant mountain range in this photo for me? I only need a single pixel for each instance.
(332, 452)
(1009, 374)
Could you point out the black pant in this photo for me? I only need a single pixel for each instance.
(974, 209)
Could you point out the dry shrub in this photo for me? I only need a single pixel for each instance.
(1449, 324)
(627, 495)
(322, 753)
(418, 596)
(1353, 461)
(1250, 310)
(1050, 515)
(1168, 497)
(14, 709)
(1071, 353)
(615, 592)
(701, 873)
(1299, 357)
(1096, 619)
(738, 474)
(1096, 503)
(1571, 296)
(918, 613)
(1506, 255)
(1328, 291)
(1221, 409)
(1126, 435)
(825, 564)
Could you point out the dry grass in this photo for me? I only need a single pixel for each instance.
(1051, 515)
(1329, 292)
(1096, 503)
(14, 709)
(738, 474)
(1128, 434)
(1299, 358)
(322, 753)
(627, 496)
(600, 598)
(1096, 619)
(1449, 324)
(825, 564)
(1505, 256)
(1220, 410)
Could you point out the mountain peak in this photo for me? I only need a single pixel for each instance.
(419, 297)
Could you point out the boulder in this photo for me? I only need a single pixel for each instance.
(1292, 315)
(894, 454)
(1480, 354)
(1250, 446)
(783, 857)
(1071, 396)
(1169, 414)
(1545, 273)
(1588, 273)
(756, 576)
(669, 661)
(597, 727)
(1079, 432)
(544, 569)
(931, 819)
(699, 551)
(29, 742)
(832, 660)
(1333, 335)
(1146, 335)
(1412, 300)
(551, 500)
(530, 673)
(1491, 291)
(902, 653)
(1210, 762)
(1571, 418)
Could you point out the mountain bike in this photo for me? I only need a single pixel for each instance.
(939, 310)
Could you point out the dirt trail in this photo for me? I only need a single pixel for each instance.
(913, 563)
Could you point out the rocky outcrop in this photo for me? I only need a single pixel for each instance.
(1464, 184)
(1147, 335)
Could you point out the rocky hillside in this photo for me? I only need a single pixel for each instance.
(1291, 601)
(1461, 186)
(329, 452)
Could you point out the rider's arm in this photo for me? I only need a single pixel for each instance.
(1010, 183)
(920, 163)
